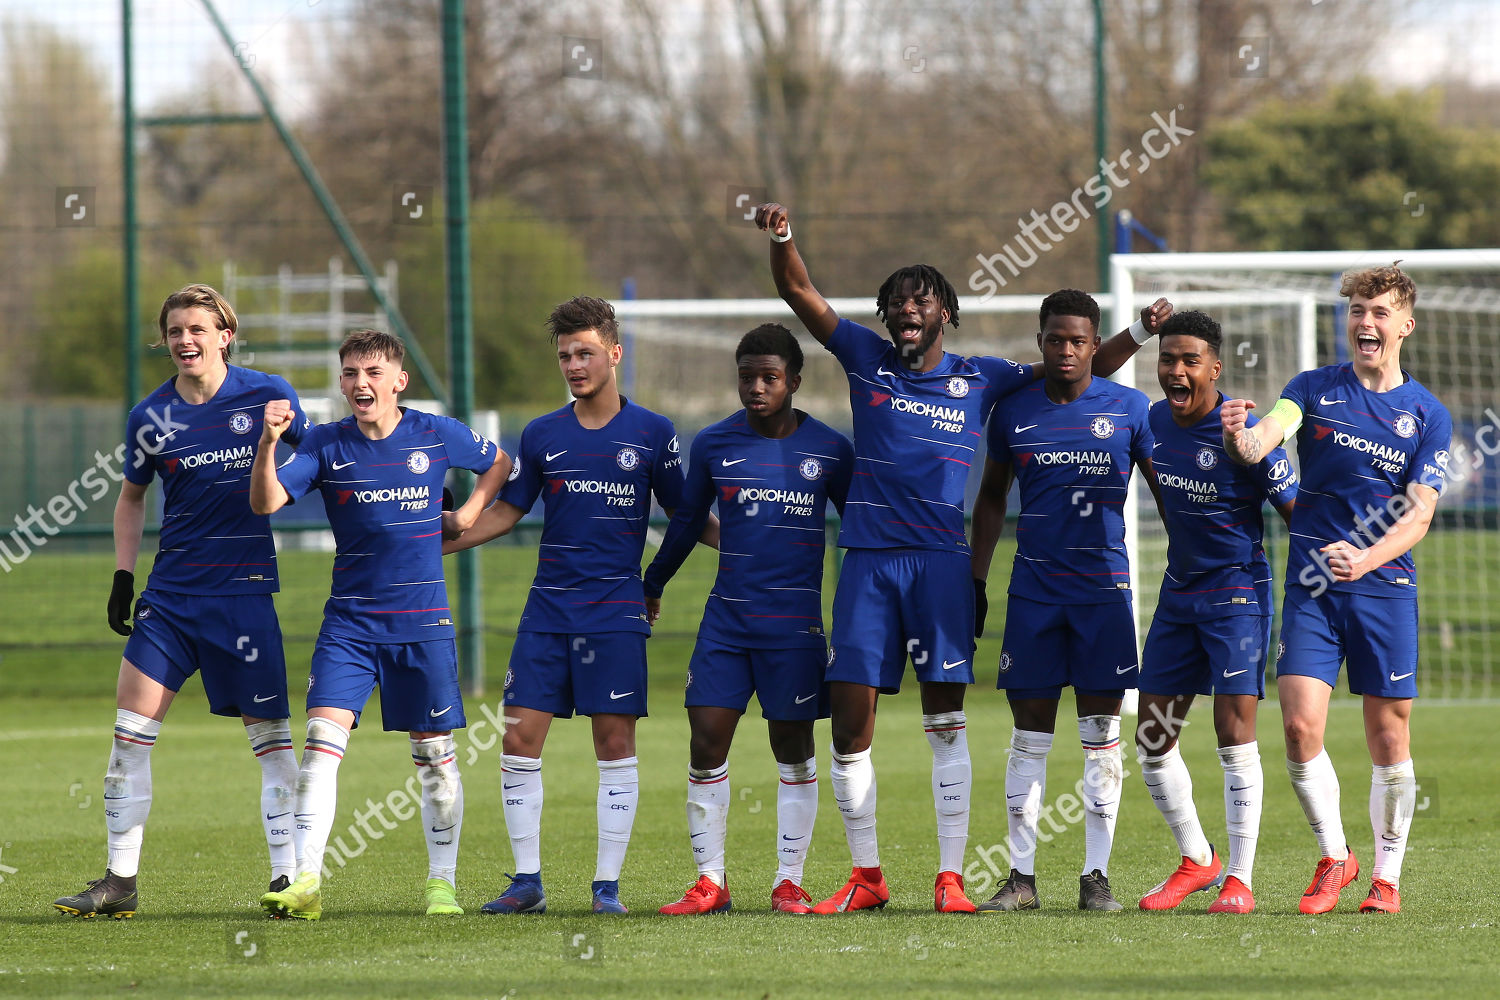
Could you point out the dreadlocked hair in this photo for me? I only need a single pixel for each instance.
(925, 278)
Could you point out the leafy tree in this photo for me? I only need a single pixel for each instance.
(1360, 169)
(521, 267)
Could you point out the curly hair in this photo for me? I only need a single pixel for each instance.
(774, 339)
(924, 278)
(1195, 324)
(1373, 281)
(1069, 302)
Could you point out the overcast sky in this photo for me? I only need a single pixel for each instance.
(175, 43)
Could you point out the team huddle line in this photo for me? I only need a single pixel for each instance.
(1373, 449)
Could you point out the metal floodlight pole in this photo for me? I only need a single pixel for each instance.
(128, 223)
(1101, 136)
(460, 323)
(331, 209)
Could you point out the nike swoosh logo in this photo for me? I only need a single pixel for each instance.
(803, 698)
(1099, 805)
(434, 713)
(1389, 839)
(1238, 788)
(695, 836)
(728, 463)
(1019, 429)
(882, 371)
(1401, 677)
(277, 816)
(337, 466)
(1157, 785)
(619, 791)
(261, 701)
(444, 829)
(509, 787)
(552, 457)
(1228, 674)
(955, 663)
(1325, 401)
(950, 784)
(622, 694)
(785, 837)
(1015, 796)
(1125, 670)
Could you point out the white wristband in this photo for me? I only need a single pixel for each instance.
(783, 239)
(1139, 333)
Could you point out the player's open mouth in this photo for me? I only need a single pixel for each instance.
(911, 330)
(1368, 344)
(1179, 394)
(364, 400)
(188, 357)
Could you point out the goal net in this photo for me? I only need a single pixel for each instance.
(1281, 313)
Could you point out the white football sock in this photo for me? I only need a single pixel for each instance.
(521, 783)
(1166, 778)
(1025, 784)
(442, 803)
(708, 818)
(271, 742)
(853, 777)
(796, 810)
(952, 778)
(619, 794)
(127, 790)
(318, 791)
(1103, 781)
(1244, 793)
(1317, 788)
(1393, 800)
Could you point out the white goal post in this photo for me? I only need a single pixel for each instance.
(1280, 313)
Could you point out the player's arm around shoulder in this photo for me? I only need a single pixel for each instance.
(468, 449)
(790, 274)
(267, 495)
(486, 488)
(1114, 353)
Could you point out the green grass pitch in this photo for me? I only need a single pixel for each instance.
(199, 930)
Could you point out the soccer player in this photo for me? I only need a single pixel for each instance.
(387, 622)
(581, 642)
(1213, 619)
(207, 605)
(904, 590)
(1374, 444)
(1071, 440)
(772, 470)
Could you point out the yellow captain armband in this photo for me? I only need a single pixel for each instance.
(1289, 415)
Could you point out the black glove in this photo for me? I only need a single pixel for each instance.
(447, 498)
(121, 593)
(981, 607)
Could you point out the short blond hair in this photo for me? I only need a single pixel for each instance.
(1373, 281)
(200, 297)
